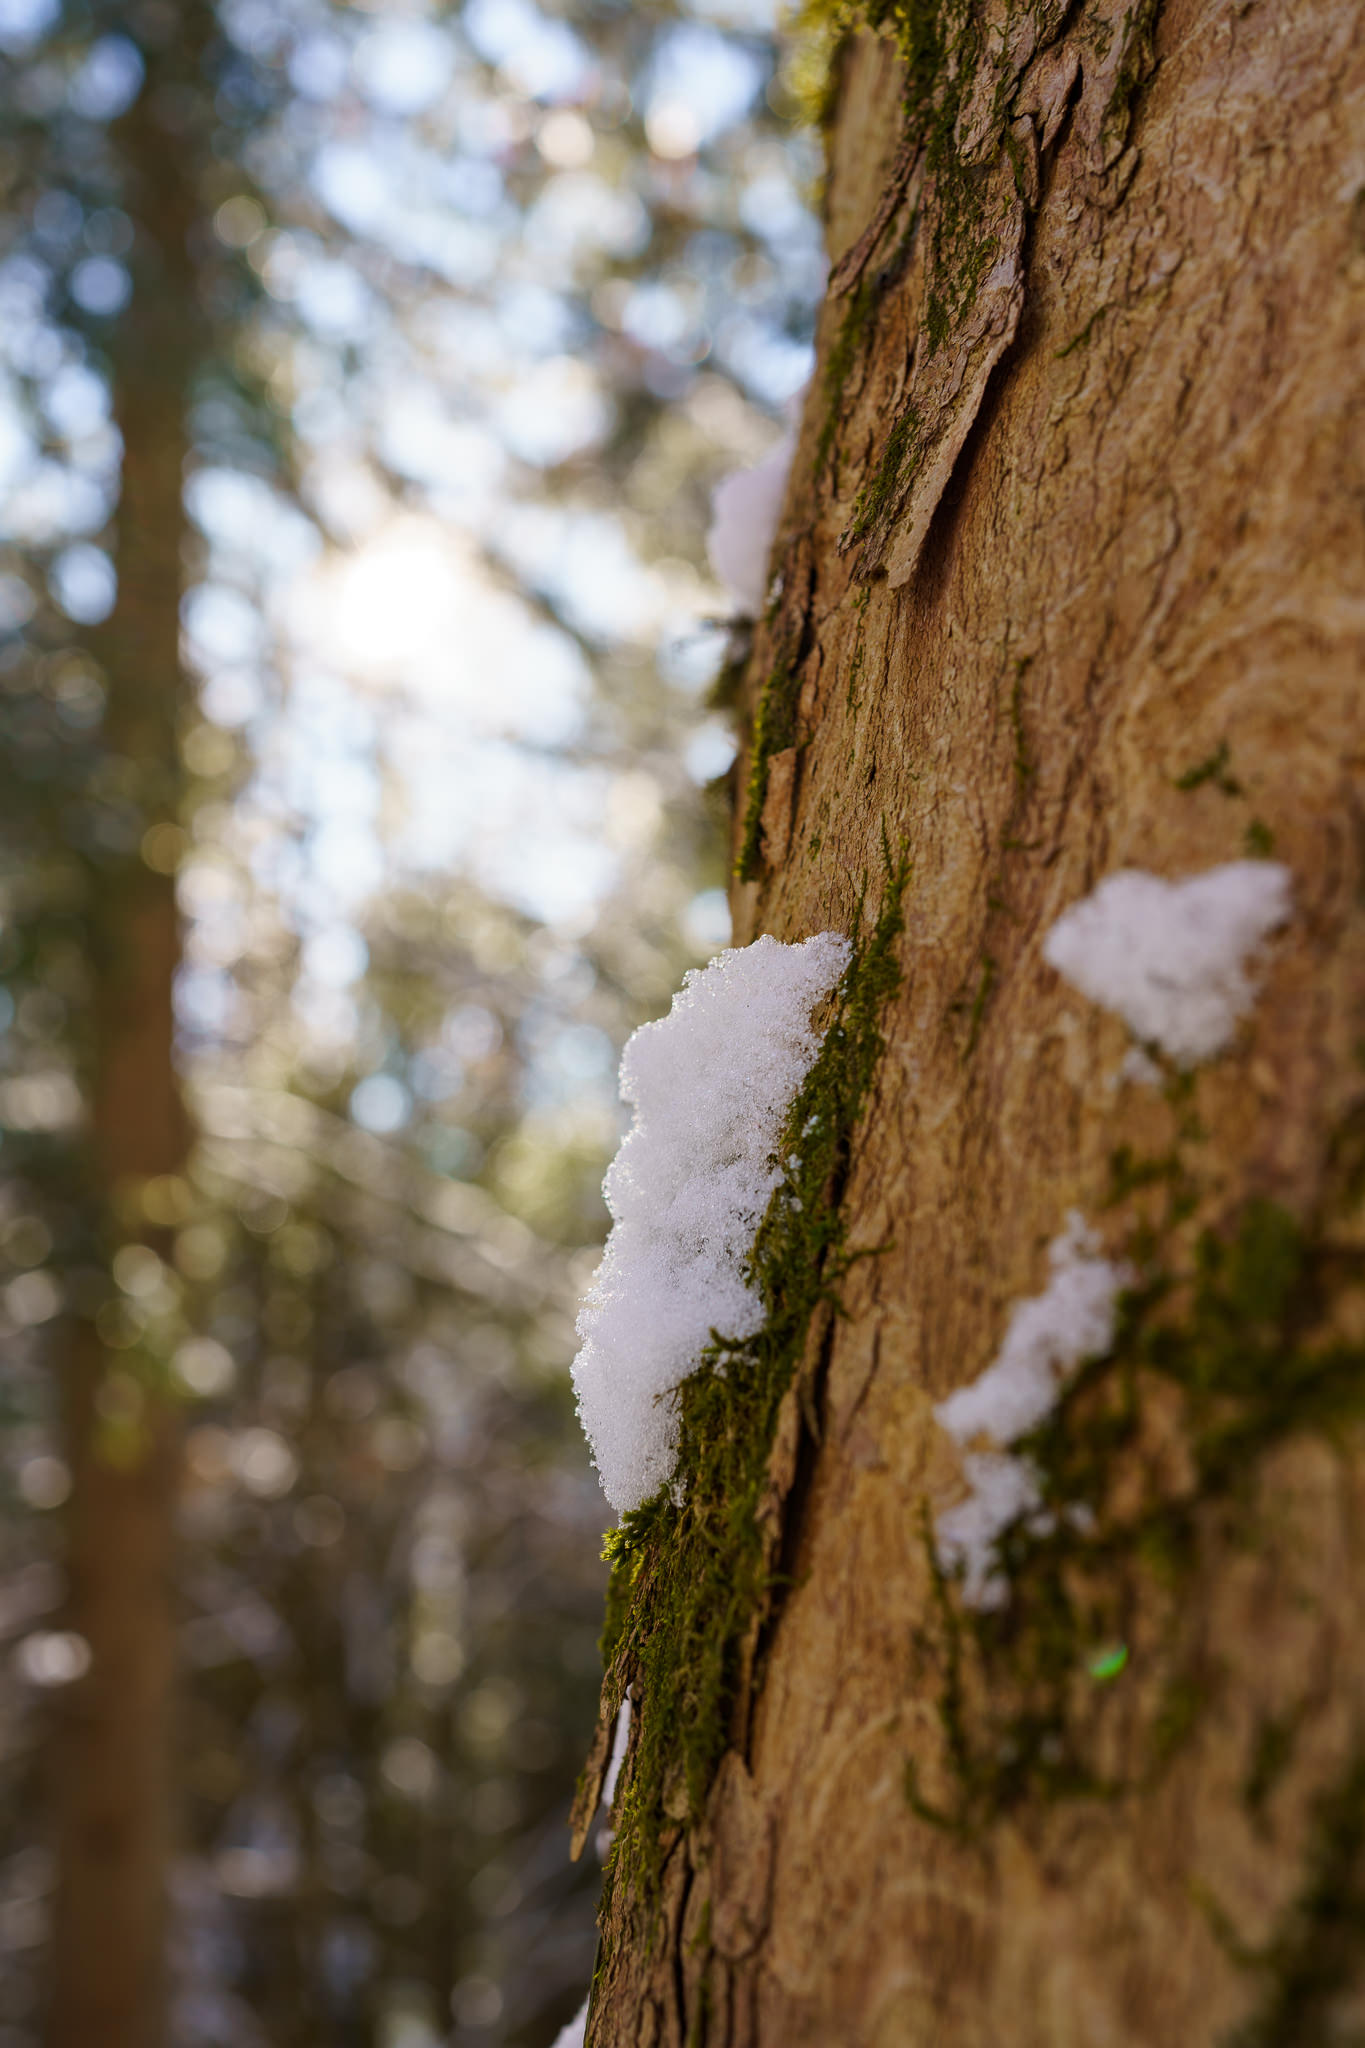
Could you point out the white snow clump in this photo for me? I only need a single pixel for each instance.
(1171, 958)
(745, 509)
(572, 2032)
(1048, 1338)
(710, 1083)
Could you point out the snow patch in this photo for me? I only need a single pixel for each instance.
(572, 2032)
(1049, 1337)
(710, 1084)
(1172, 958)
(745, 509)
(620, 1739)
(1003, 1487)
(1138, 1068)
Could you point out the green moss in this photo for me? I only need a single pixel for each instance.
(1213, 768)
(617, 1614)
(942, 45)
(691, 1568)
(1024, 769)
(1183, 1698)
(951, 1702)
(957, 278)
(1270, 1759)
(839, 365)
(701, 1940)
(881, 492)
(1316, 1958)
(948, 58)
(724, 694)
(1081, 339)
(701, 2018)
(774, 732)
(1130, 1172)
(775, 729)
(1134, 67)
(977, 1014)
(953, 66)
(1232, 1338)
(814, 41)
(857, 660)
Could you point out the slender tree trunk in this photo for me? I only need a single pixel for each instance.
(1071, 580)
(112, 1761)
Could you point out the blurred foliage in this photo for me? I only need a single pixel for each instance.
(484, 301)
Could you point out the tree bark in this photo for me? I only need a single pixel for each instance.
(1071, 580)
(114, 1737)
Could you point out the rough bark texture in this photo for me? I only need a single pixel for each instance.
(1116, 548)
(114, 1738)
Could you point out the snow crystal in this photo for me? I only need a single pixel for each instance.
(710, 1083)
(1171, 958)
(745, 509)
(572, 2032)
(1048, 1338)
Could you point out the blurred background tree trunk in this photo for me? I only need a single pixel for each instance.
(1069, 580)
(485, 300)
(115, 1736)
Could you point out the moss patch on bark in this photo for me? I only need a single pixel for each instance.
(1314, 1962)
(774, 732)
(1242, 1347)
(692, 1567)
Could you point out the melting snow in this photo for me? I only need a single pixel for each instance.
(1048, 1338)
(1171, 958)
(745, 509)
(710, 1084)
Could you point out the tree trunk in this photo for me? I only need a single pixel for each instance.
(1071, 581)
(111, 1766)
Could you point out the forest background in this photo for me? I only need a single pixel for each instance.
(364, 373)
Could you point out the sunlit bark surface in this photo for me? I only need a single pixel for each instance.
(1117, 550)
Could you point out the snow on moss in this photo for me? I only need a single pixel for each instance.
(1049, 1337)
(745, 509)
(1173, 959)
(710, 1084)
